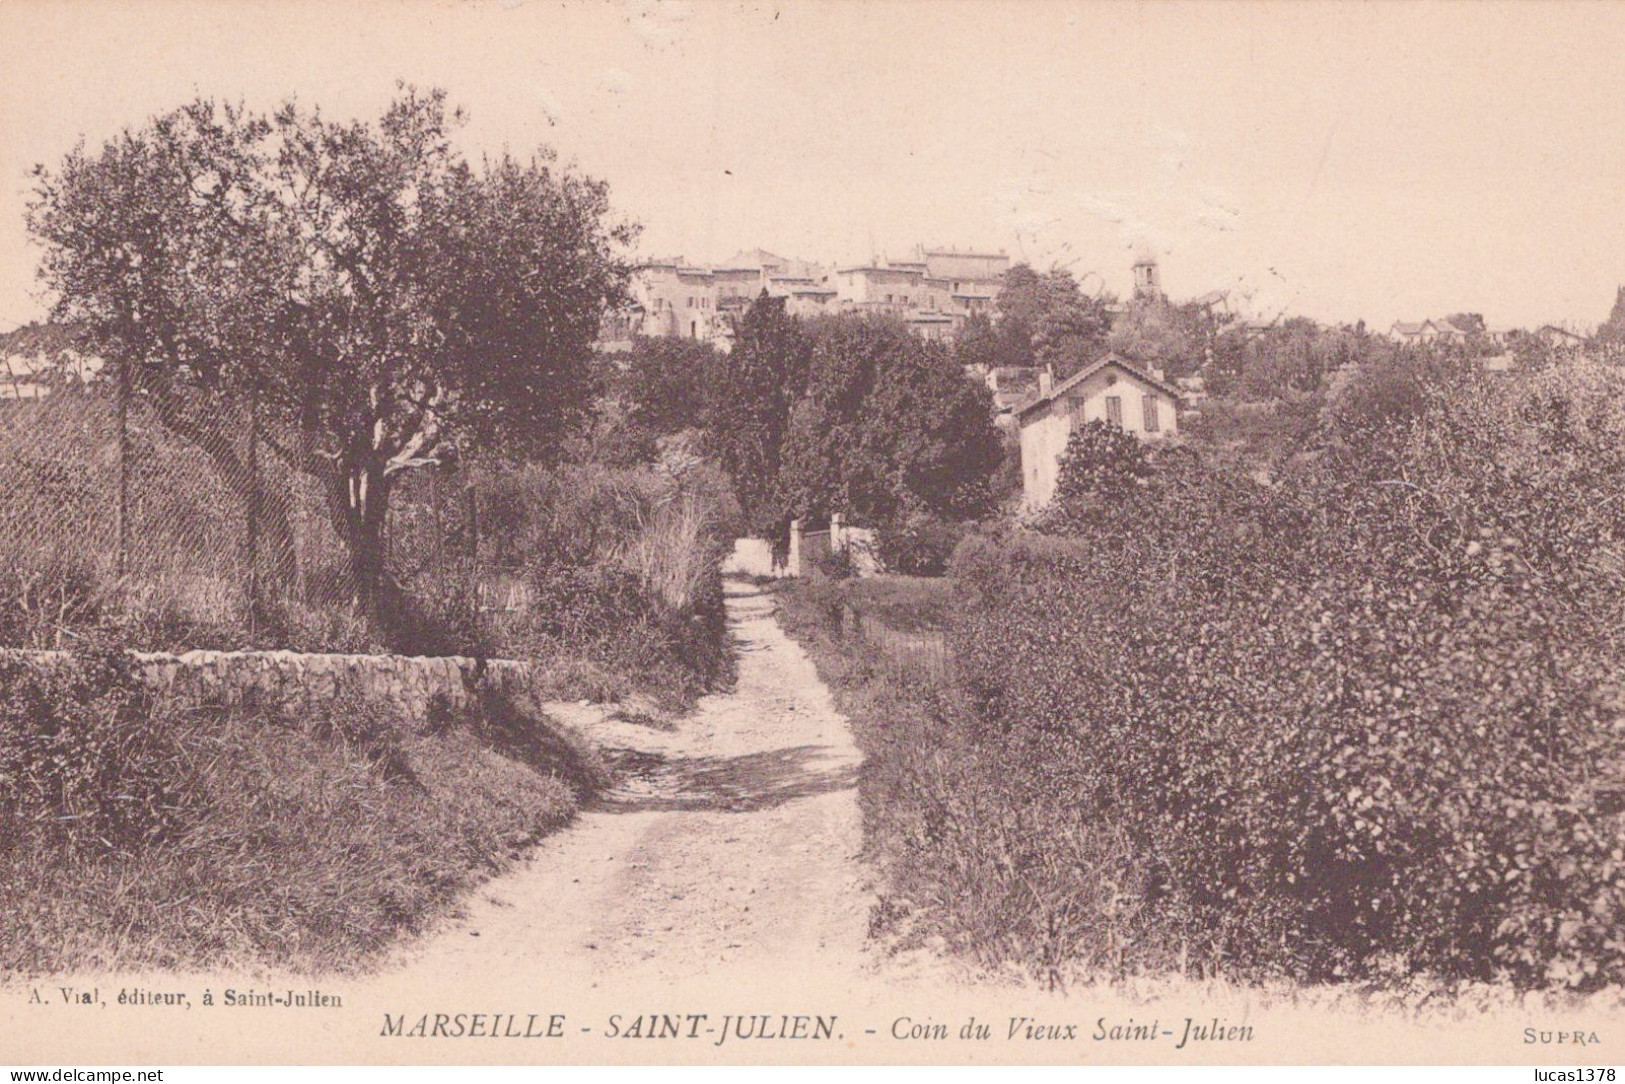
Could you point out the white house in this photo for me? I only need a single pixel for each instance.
(1108, 390)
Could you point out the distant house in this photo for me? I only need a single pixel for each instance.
(23, 377)
(1446, 332)
(1109, 390)
(1427, 331)
(37, 358)
(1559, 338)
(1403, 331)
(1455, 330)
(1012, 386)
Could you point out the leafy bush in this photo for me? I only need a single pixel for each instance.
(835, 564)
(918, 544)
(1362, 722)
(904, 603)
(77, 765)
(998, 871)
(1349, 722)
(621, 567)
(1102, 464)
(44, 599)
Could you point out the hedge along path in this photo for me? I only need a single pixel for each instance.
(725, 859)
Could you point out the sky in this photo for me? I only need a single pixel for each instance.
(1346, 162)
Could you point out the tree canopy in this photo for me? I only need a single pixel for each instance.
(664, 384)
(1038, 319)
(1048, 318)
(1155, 334)
(751, 398)
(889, 425)
(387, 302)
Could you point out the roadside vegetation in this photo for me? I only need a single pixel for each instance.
(356, 431)
(808, 418)
(361, 430)
(1357, 722)
(143, 829)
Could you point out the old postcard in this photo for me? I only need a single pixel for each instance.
(870, 532)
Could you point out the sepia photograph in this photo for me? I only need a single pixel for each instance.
(717, 532)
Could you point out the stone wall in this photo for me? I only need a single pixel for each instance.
(408, 683)
(807, 547)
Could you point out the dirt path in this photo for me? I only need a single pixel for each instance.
(726, 855)
(721, 876)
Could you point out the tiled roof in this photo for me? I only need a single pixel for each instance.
(1089, 370)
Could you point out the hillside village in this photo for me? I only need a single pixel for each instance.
(936, 293)
(955, 298)
(933, 291)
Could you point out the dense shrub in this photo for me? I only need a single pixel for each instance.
(835, 564)
(999, 872)
(1351, 722)
(43, 599)
(918, 544)
(619, 569)
(1102, 462)
(77, 764)
(1360, 722)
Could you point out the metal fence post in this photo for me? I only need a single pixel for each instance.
(121, 555)
(254, 511)
(473, 554)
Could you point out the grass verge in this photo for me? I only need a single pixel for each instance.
(961, 866)
(143, 830)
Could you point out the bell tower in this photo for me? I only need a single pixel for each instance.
(1148, 279)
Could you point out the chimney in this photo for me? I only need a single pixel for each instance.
(1046, 380)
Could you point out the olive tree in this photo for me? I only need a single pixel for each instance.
(387, 301)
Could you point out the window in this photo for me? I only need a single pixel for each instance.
(1114, 410)
(1151, 425)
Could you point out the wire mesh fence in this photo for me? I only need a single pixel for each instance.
(918, 654)
(191, 526)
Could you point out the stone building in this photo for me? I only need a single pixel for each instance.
(1109, 390)
(933, 290)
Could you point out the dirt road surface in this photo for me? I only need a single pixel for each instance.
(727, 852)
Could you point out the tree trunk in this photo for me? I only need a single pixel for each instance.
(358, 499)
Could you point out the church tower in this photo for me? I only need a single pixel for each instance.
(1148, 279)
